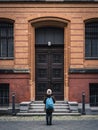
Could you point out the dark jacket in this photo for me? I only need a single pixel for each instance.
(47, 96)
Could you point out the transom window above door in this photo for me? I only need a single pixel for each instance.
(49, 36)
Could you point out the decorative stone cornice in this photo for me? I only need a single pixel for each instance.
(48, 1)
(9, 71)
(83, 71)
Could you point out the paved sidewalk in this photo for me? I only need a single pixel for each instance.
(42, 118)
(59, 123)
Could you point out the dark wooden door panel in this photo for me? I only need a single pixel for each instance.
(49, 72)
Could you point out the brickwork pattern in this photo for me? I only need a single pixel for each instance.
(23, 15)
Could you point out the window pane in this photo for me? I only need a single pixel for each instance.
(4, 94)
(10, 47)
(10, 31)
(59, 36)
(3, 32)
(49, 34)
(88, 48)
(94, 48)
(6, 39)
(91, 39)
(3, 48)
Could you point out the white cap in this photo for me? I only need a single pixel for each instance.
(49, 91)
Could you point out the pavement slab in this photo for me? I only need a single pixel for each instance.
(86, 122)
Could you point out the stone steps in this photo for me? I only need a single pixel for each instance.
(43, 114)
(58, 107)
(37, 108)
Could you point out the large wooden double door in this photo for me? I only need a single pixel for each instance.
(49, 71)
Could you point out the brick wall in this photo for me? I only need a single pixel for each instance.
(80, 83)
(23, 15)
(18, 84)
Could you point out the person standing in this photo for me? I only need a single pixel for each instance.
(49, 106)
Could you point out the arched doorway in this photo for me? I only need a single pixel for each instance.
(49, 61)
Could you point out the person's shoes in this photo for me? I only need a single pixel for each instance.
(50, 123)
(47, 123)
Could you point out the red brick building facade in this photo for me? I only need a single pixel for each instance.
(48, 44)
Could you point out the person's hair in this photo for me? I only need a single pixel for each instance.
(49, 91)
